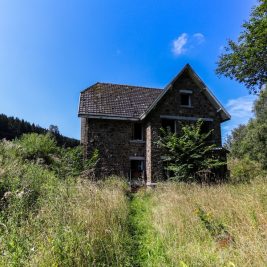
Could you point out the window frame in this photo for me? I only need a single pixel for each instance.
(186, 93)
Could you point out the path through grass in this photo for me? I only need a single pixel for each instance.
(189, 225)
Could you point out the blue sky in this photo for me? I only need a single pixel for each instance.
(51, 50)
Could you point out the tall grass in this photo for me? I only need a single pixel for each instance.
(51, 217)
(82, 224)
(51, 220)
(208, 226)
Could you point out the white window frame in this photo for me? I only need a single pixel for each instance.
(189, 93)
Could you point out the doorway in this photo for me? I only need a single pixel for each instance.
(137, 172)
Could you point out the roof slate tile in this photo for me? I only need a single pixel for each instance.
(117, 100)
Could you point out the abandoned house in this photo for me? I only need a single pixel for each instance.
(123, 122)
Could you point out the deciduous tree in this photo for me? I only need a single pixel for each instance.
(246, 59)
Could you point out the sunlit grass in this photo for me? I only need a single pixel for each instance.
(186, 238)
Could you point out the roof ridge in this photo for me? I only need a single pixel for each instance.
(121, 85)
(137, 86)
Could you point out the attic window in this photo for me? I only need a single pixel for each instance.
(137, 133)
(185, 100)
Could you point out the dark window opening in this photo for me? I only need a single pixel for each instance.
(137, 131)
(168, 125)
(206, 127)
(186, 100)
(137, 169)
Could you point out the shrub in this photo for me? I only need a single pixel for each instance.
(244, 170)
(70, 162)
(34, 146)
(189, 153)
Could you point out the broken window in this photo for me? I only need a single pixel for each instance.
(186, 100)
(137, 131)
(168, 125)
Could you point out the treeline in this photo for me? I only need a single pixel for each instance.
(250, 141)
(11, 128)
(248, 144)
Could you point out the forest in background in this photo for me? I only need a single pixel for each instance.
(12, 128)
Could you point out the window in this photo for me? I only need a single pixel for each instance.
(185, 100)
(137, 131)
(168, 125)
(205, 128)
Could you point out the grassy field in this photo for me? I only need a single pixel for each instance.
(88, 224)
(192, 225)
(49, 216)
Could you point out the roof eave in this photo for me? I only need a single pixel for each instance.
(106, 117)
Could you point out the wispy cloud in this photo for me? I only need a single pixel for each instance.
(240, 110)
(241, 107)
(178, 45)
(185, 42)
(199, 37)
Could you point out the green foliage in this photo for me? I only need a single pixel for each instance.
(260, 106)
(214, 227)
(92, 161)
(12, 128)
(244, 170)
(236, 135)
(34, 146)
(48, 218)
(187, 154)
(245, 61)
(42, 149)
(72, 163)
(250, 141)
(146, 250)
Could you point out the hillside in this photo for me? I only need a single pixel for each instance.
(51, 214)
(11, 128)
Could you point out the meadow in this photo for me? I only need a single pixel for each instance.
(52, 215)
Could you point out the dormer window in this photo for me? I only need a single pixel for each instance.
(185, 98)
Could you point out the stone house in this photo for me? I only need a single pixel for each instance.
(123, 122)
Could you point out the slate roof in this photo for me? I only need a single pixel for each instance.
(135, 102)
(117, 100)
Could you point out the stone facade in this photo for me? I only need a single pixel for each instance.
(113, 137)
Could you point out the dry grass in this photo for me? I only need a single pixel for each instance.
(88, 228)
(240, 209)
(83, 224)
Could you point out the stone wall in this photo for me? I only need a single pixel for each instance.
(113, 140)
